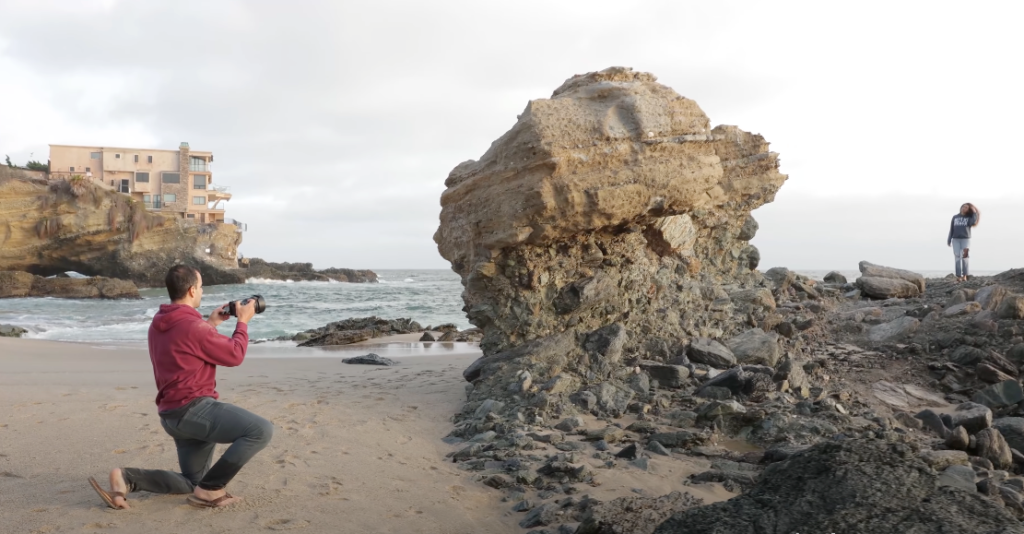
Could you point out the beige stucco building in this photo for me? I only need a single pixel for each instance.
(178, 182)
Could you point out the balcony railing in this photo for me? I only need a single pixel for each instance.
(154, 205)
(219, 188)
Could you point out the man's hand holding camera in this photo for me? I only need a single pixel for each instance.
(246, 310)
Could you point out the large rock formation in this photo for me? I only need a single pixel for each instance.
(258, 268)
(611, 222)
(50, 227)
(21, 284)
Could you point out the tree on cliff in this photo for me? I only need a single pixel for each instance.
(9, 164)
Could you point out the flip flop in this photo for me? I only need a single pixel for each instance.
(203, 503)
(107, 496)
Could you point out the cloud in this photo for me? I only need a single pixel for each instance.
(336, 123)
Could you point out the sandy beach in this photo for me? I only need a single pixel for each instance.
(356, 448)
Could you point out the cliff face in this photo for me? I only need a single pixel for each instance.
(48, 227)
(612, 221)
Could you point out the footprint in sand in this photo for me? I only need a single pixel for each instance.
(98, 525)
(286, 524)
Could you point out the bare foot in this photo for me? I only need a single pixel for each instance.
(208, 495)
(117, 484)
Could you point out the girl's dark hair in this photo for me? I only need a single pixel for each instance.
(179, 279)
(973, 209)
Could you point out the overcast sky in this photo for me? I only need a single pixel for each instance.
(335, 123)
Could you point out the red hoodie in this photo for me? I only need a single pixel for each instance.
(186, 351)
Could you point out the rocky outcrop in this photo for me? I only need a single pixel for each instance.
(611, 223)
(20, 284)
(258, 268)
(50, 227)
(355, 330)
(853, 485)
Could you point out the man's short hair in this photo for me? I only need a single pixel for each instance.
(179, 279)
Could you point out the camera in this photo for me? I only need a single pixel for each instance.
(261, 305)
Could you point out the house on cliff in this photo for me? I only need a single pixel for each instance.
(171, 182)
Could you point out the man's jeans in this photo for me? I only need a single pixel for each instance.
(196, 433)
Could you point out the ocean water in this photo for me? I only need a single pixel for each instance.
(431, 297)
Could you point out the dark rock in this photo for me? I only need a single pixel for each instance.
(630, 452)
(609, 434)
(886, 288)
(734, 379)
(524, 505)
(612, 398)
(757, 347)
(21, 284)
(633, 515)
(670, 376)
(896, 329)
(497, 481)
(658, 448)
(973, 417)
(990, 374)
(1000, 395)
(369, 359)
(541, 516)
(933, 422)
(1011, 307)
(714, 393)
(1012, 430)
(992, 447)
(958, 439)
(427, 336)
(711, 352)
(958, 476)
(681, 438)
(569, 424)
(835, 277)
(786, 329)
(877, 486)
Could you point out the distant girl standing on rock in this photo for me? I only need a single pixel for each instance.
(960, 236)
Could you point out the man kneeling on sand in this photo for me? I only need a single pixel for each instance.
(185, 351)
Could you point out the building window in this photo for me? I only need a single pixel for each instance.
(197, 164)
(117, 156)
(94, 155)
(72, 169)
(190, 216)
(171, 178)
(146, 199)
(142, 177)
(199, 181)
(149, 159)
(136, 158)
(87, 169)
(199, 201)
(168, 198)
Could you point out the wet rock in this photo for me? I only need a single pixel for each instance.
(756, 347)
(877, 486)
(7, 330)
(897, 329)
(369, 359)
(427, 336)
(711, 352)
(992, 447)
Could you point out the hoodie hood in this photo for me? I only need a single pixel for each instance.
(172, 314)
